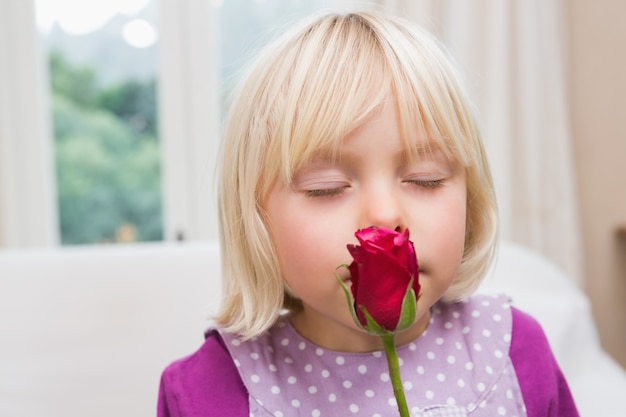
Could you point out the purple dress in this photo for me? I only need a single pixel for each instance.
(467, 363)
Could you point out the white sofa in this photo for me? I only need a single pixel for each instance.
(86, 331)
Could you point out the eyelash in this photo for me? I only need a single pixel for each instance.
(430, 184)
(331, 192)
(325, 192)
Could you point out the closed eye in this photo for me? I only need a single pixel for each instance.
(325, 192)
(426, 183)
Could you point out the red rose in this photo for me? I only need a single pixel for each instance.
(383, 267)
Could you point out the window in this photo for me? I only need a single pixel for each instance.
(136, 107)
(102, 61)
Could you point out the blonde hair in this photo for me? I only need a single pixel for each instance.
(307, 91)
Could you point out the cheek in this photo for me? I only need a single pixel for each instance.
(454, 228)
(440, 233)
(307, 247)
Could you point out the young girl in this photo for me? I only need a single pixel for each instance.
(346, 122)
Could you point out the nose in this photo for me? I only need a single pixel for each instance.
(382, 207)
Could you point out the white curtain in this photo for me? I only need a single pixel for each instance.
(512, 54)
(27, 196)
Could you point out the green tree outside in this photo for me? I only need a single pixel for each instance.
(107, 157)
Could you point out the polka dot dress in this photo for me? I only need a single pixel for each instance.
(458, 367)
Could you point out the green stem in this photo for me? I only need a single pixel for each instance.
(389, 344)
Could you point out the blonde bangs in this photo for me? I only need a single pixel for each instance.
(329, 92)
(430, 105)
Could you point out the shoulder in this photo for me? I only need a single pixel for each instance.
(205, 383)
(543, 385)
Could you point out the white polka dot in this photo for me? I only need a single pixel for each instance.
(420, 370)
(316, 413)
(407, 385)
(501, 411)
(461, 383)
(392, 402)
(332, 398)
(480, 387)
(255, 378)
(354, 408)
(483, 404)
(486, 333)
(486, 303)
(236, 342)
(312, 389)
(295, 403)
(384, 376)
(325, 373)
(507, 337)
(509, 394)
(415, 410)
(369, 393)
(278, 414)
(400, 361)
(441, 377)
(458, 345)
(254, 355)
(270, 349)
(471, 407)
(489, 369)
(376, 415)
(430, 355)
(340, 360)
(284, 342)
(456, 314)
(288, 359)
(308, 367)
(447, 325)
(237, 363)
(439, 341)
(475, 313)
(362, 369)
(477, 347)
(273, 367)
(451, 359)
(430, 395)
(497, 317)
(466, 330)
(498, 353)
(347, 384)
(469, 366)
(451, 401)
(319, 352)
(275, 390)
(412, 346)
(291, 379)
(302, 346)
(377, 354)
